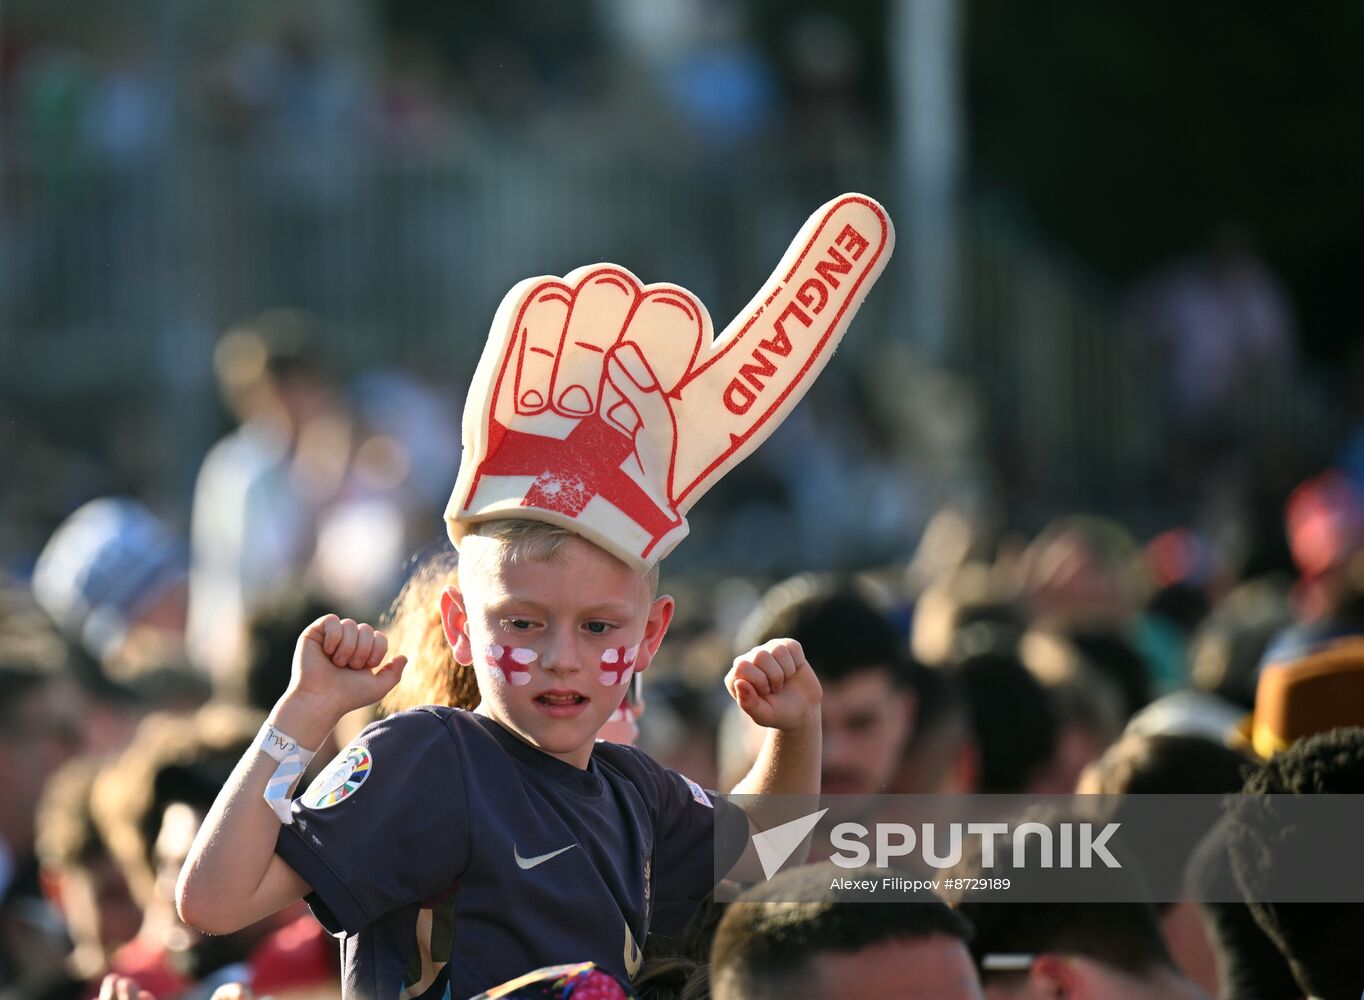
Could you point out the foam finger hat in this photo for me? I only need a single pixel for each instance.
(608, 406)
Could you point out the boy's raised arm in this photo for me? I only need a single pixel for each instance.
(233, 877)
(777, 689)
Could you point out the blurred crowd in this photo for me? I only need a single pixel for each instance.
(387, 178)
(138, 664)
(279, 124)
(165, 177)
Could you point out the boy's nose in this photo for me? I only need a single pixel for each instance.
(559, 657)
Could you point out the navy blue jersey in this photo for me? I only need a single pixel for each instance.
(454, 857)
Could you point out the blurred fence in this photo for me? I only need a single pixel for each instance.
(1080, 412)
(117, 282)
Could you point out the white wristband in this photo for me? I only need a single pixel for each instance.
(292, 760)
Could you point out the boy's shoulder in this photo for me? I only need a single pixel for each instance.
(422, 715)
(632, 761)
(433, 722)
(663, 782)
(426, 731)
(425, 721)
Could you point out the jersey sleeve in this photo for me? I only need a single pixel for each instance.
(698, 837)
(384, 825)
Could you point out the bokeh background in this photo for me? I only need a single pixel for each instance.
(1126, 279)
(1090, 461)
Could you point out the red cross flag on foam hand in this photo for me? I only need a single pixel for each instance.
(607, 406)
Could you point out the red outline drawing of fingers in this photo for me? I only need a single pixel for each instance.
(666, 331)
(539, 336)
(643, 413)
(602, 303)
(668, 326)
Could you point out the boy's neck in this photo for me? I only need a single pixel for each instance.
(578, 758)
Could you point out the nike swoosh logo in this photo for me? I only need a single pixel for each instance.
(526, 864)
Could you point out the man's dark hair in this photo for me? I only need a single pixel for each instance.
(940, 699)
(1320, 940)
(841, 631)
(692, 942)
(764, 944)
(672, 977)
(1124, 934)
(1182, 604)
(1012, 718)
(1114, 656)
(1167, 764)
(1225, 654)
(1249, 965)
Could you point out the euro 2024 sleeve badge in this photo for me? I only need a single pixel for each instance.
(342, 778)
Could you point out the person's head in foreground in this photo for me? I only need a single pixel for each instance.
(1319, 940)
(554, 628)
(1111, 950)
(914, 948)
(1106, 951)
(1249, 966)
(1160, 764)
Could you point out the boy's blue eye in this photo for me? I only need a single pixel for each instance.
(519, 624)
(597, 628)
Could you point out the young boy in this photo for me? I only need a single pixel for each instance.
(457, 850)
(480, 806)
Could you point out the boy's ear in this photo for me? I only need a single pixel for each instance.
(456, 625)
(660, 617)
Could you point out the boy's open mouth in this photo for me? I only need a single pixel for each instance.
(561, 698)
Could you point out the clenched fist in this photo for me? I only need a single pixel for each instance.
(341, 663)
(775, 685)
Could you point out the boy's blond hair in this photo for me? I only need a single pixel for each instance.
(523, 539)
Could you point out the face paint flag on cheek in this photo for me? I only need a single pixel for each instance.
(617, 665)
(510, 663)
(609, 407)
